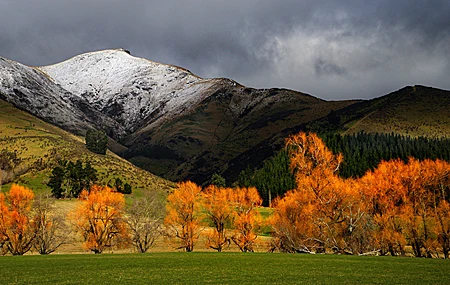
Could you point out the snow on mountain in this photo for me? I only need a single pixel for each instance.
(131, 90)
(30, 89)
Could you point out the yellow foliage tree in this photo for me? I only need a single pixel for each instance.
(219, 210)
(324, 212)
(183, 214)
(16, 232)
(247, 218)
(386, 199)
(310, 157)
(443, 226)
(99, 219)
(293, 223)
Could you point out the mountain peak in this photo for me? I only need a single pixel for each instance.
(127, 88)
(124, 50)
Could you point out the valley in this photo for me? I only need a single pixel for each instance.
(165, 125)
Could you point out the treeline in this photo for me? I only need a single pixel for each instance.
(362, 152)
(396, 205)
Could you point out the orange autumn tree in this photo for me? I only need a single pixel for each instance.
(16, 232)
(4, 221)
(408, 205)
(99, 219)
(441, 185)
(443, 226)
(247, 218)
(428, 185)
(219, 210)
(342, 219)
(324, 213)
(303, 219)
(386, 199)
(183, 214)
(419, 224)
(310, 157)
(315, 168)
(293, 223)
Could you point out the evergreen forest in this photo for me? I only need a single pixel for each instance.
(361, 152)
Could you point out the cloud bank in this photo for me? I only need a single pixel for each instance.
(330, 49)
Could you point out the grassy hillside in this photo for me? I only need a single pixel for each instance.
(221, 268)
(38, 146)
(413, 111)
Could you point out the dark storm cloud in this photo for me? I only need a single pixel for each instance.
(331, 49)
(328, 68)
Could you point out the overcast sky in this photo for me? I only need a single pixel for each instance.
(330, 49)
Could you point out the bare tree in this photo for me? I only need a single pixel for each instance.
(49, 227)
(145, 219)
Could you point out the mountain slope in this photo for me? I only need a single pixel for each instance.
(38, 146)
(413, 111)
(229, 123)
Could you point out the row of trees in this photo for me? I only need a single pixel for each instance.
(103, 221)
(395, 205)
(28, 223)
(231, 213)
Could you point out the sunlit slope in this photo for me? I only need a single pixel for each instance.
(38, 147)
(413, 111)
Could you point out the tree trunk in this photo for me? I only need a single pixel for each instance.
(270, 199)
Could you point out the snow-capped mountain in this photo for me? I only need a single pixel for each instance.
(129, 89)
(30, 89)
(168, 120)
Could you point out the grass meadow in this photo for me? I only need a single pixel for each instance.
(220, 268)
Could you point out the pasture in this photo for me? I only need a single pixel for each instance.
(220, 268)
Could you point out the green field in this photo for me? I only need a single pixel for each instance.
(220, 268)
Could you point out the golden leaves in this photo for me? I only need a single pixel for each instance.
(99, 219)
